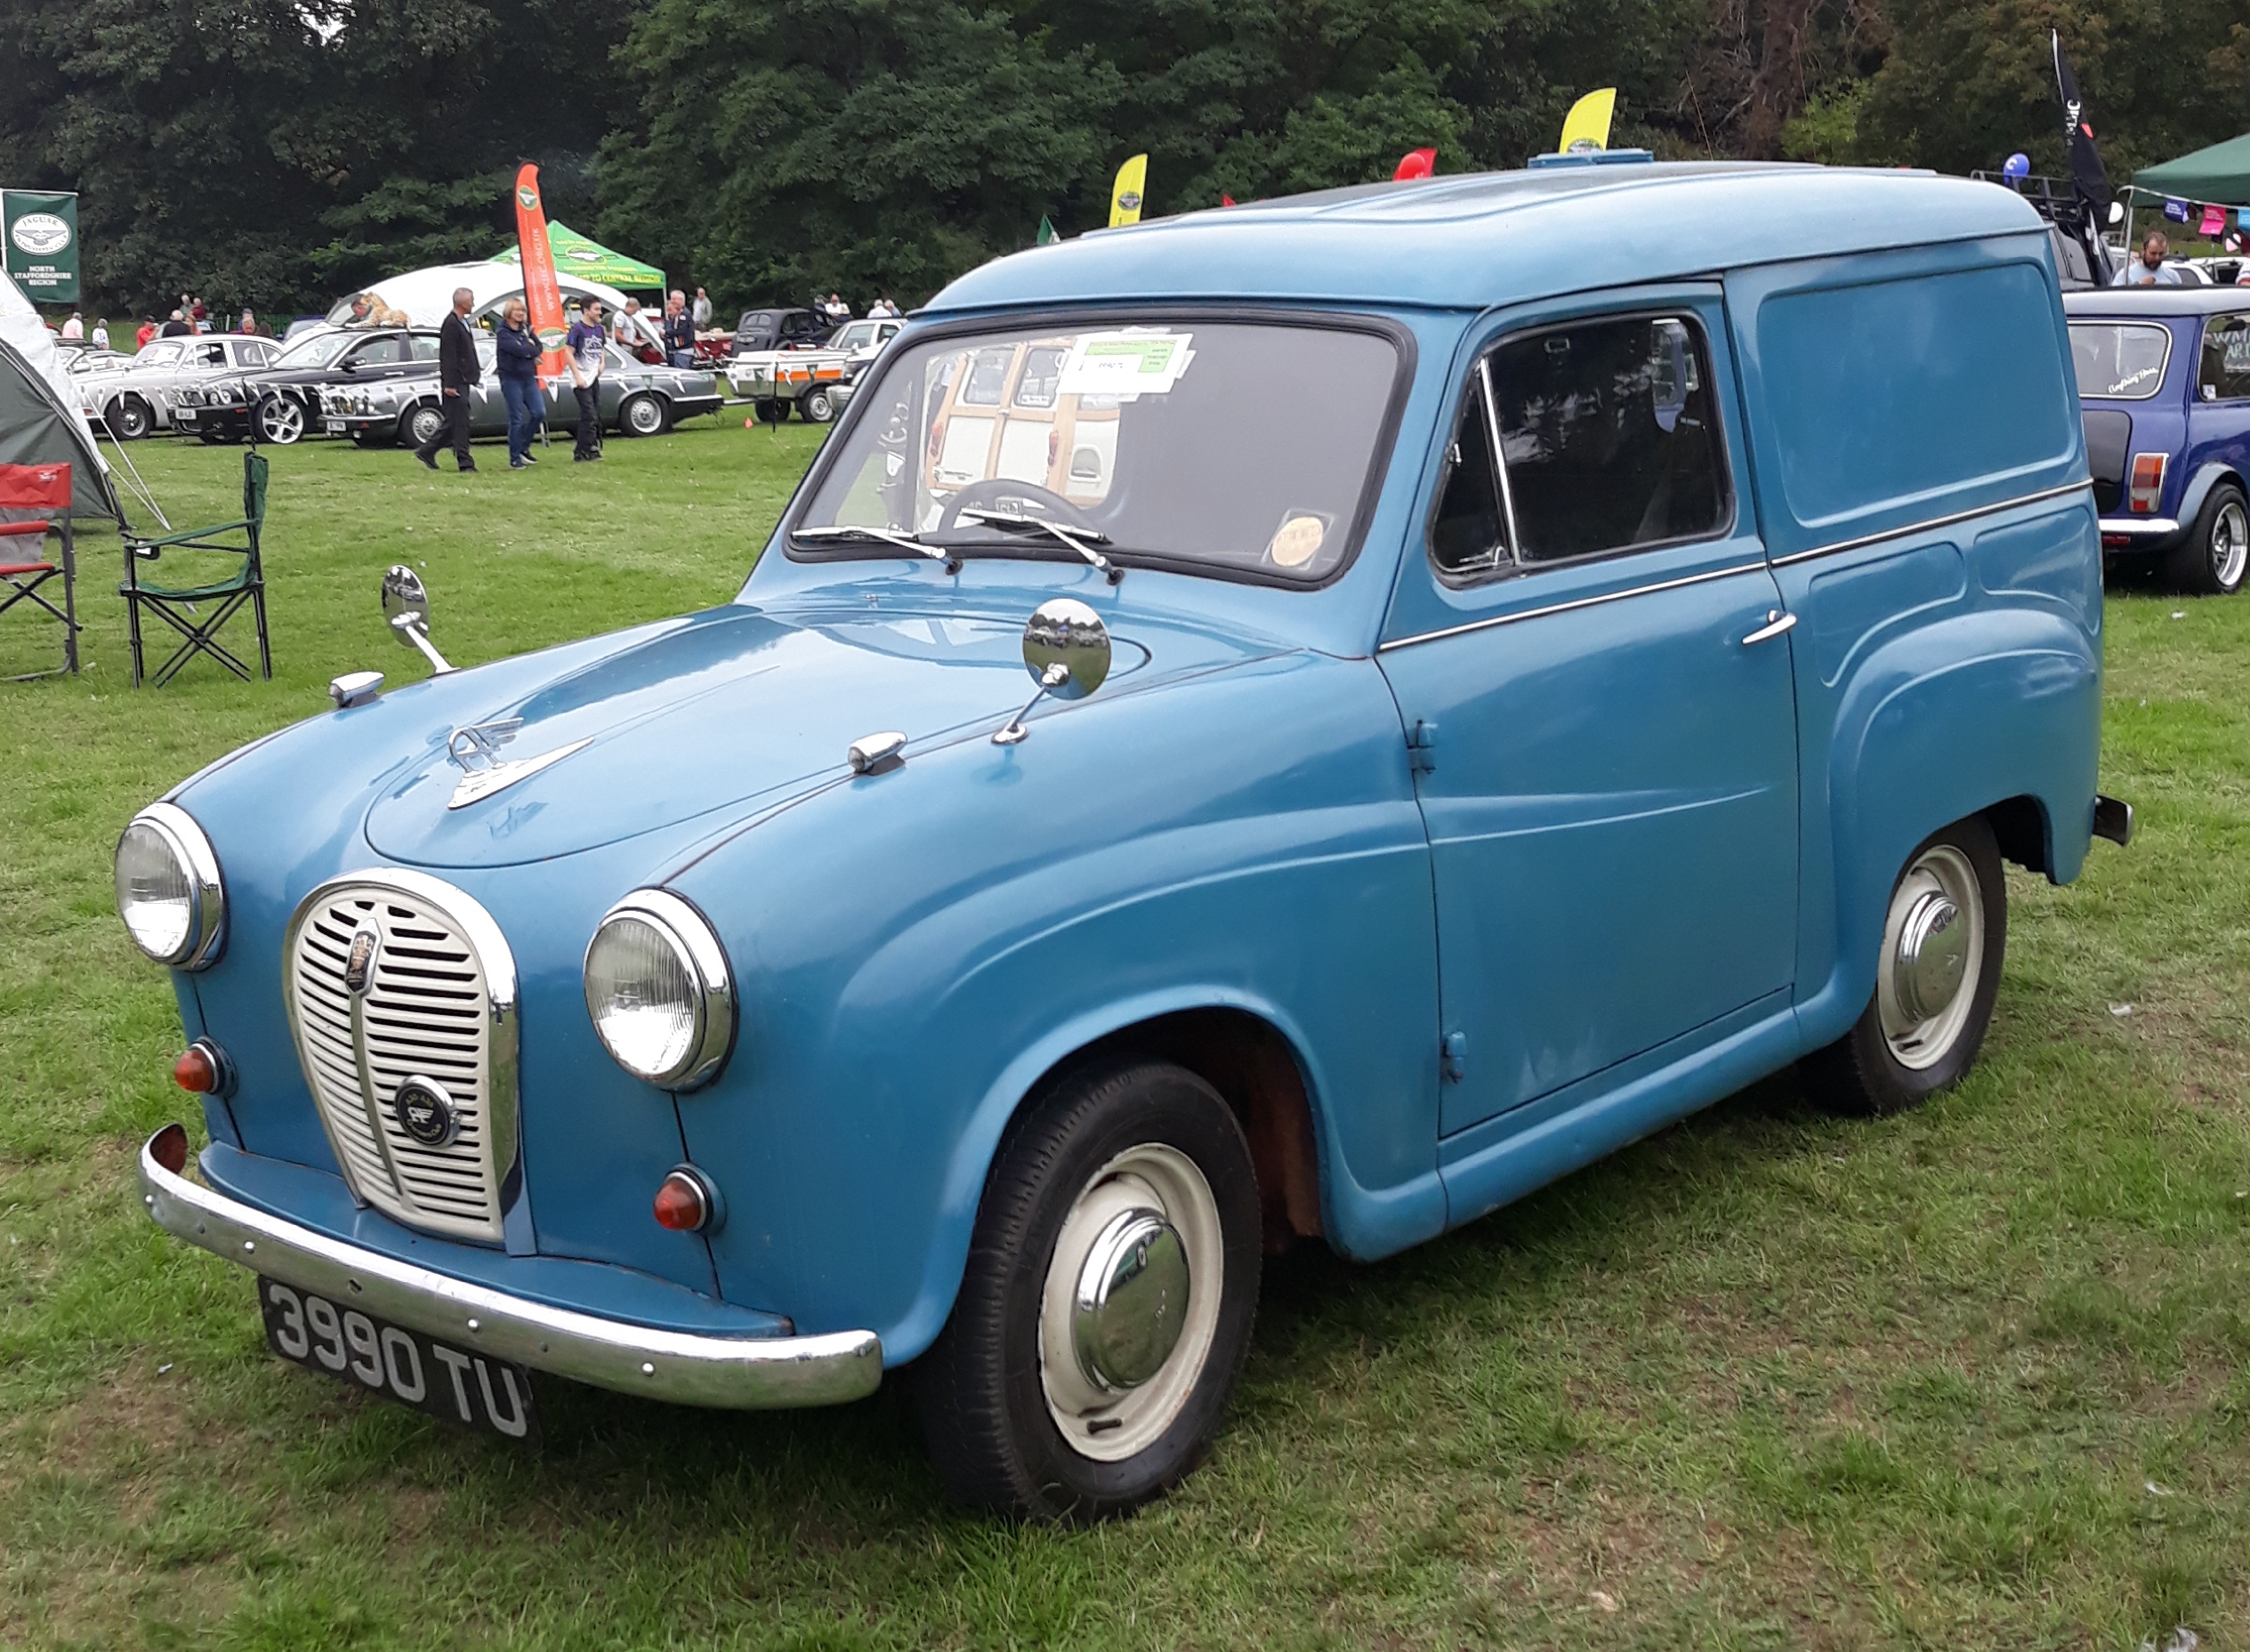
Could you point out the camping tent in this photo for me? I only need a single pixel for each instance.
(2219, 175)
(40, 422)
(425, 296)
(590, 261)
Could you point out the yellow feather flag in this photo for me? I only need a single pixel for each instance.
(1587, 125)
(1125, 199)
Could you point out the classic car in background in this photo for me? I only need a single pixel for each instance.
(781, 329)
(134, 400)
(1632, 689)
(2164, 381)
(288, 399)
(637, 399)
(807, 380)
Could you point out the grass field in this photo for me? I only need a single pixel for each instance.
(1969, 1378)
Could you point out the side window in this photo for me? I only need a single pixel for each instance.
(1470, 534)
(211, 355)
(2225, 374)
(1609, 437)
(425, 346)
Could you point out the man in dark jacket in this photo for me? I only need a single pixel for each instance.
(457, 374)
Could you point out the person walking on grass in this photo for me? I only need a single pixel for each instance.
(518, 349)
(457, 374)
(587, 343)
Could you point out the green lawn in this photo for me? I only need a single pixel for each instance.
(1971, 1378)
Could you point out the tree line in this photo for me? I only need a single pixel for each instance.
(277, 153)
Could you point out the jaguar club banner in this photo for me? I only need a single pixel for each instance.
(42, 237)
(541, 296)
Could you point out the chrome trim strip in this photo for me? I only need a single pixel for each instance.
(1930, 526)
(1564, 607)
(2139, 527)
(1498, 459)
(685, 1368)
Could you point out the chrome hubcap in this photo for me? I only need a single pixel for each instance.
(1131, 1302)
(2230, 543)
(1126, 1316)
(1932, 958)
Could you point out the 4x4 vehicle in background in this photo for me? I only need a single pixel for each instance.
(781, 329)
(808, 380)
(637, 399)
(288, 399)
(1495, 687)
(134, 399)
(2164, 382)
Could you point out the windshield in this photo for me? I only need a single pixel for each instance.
(859, 335)
(1220, 446)
(314, 350)
(2119, 361)
(159, 352)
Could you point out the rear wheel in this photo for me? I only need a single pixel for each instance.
(420, 424)
(815, 405)
(1106, 1308)
(770, 412)
(2212, 560)
(280, 420)
(1944, 937)
(129, 418)
(642, 414)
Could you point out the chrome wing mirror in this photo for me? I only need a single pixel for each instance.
(1066, 649)
(406, 604)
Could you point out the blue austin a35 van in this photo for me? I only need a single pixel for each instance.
(1498, 685)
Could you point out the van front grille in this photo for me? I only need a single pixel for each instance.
(393, 983)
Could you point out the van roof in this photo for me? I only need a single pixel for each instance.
(1482, 238)
(2156, 301)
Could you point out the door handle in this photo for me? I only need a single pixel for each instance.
(1778, 623)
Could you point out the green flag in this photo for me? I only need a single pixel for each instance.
(1046, 231)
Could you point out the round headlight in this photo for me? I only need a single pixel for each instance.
(169, 891)
(659, 991)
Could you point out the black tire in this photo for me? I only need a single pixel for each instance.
(129, 418)
(989, 1416)
(770, 412)
(2211, 561)
(815, 407)
(1863, 1072)
(420, 424)
(642, 414)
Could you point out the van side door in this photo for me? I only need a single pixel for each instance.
(1593, 670)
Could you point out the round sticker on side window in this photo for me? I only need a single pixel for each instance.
(1299, 538)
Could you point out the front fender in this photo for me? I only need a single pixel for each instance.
(1940, 723)
(917, 949)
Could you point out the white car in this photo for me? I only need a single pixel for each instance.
(136, 399)
(774, 379)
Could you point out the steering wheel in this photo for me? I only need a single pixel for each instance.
(992, 489)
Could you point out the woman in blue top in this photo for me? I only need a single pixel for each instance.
(519, 358)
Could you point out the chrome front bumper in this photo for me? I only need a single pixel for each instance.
(739, 1373)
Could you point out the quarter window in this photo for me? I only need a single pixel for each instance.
(1470, 534)
(2225, 374)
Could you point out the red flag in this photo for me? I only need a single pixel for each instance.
(1418, 164)
(541, 296)
(1225, 199)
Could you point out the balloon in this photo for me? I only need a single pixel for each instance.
(2019, 165)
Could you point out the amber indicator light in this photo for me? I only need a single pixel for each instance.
(681, 1206)
(196, 1071)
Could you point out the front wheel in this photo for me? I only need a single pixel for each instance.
(1106, 1309)
(2211, 561)
(815, 406)
(280, 420)
(642, 416)
(421, 424)
(1943, 939)
(129, 418)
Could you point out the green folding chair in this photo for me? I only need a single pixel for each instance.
(177, 605)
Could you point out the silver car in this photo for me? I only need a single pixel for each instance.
(637, 399)
(134, 400)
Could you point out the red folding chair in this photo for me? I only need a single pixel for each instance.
(34, 501)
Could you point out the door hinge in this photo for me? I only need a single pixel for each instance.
(1453, 1056)
(1422, 747)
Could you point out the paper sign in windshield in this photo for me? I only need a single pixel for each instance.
(1125, 364)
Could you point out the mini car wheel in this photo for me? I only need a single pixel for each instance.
(1943, 939)
(2211, 561)
(129, 418)
(642, 414)
(815, 407)
(420, 424)
(280, 420)
(1106, 1308)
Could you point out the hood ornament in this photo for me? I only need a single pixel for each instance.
(475, 751)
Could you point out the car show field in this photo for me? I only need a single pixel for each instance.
(1969, 1376)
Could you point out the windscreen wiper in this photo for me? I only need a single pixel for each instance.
(1081, 540)
(847, 534)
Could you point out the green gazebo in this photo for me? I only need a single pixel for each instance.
(590, 261)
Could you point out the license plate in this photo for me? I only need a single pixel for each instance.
(335, 427)
(183, 417)
(476, 1391)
